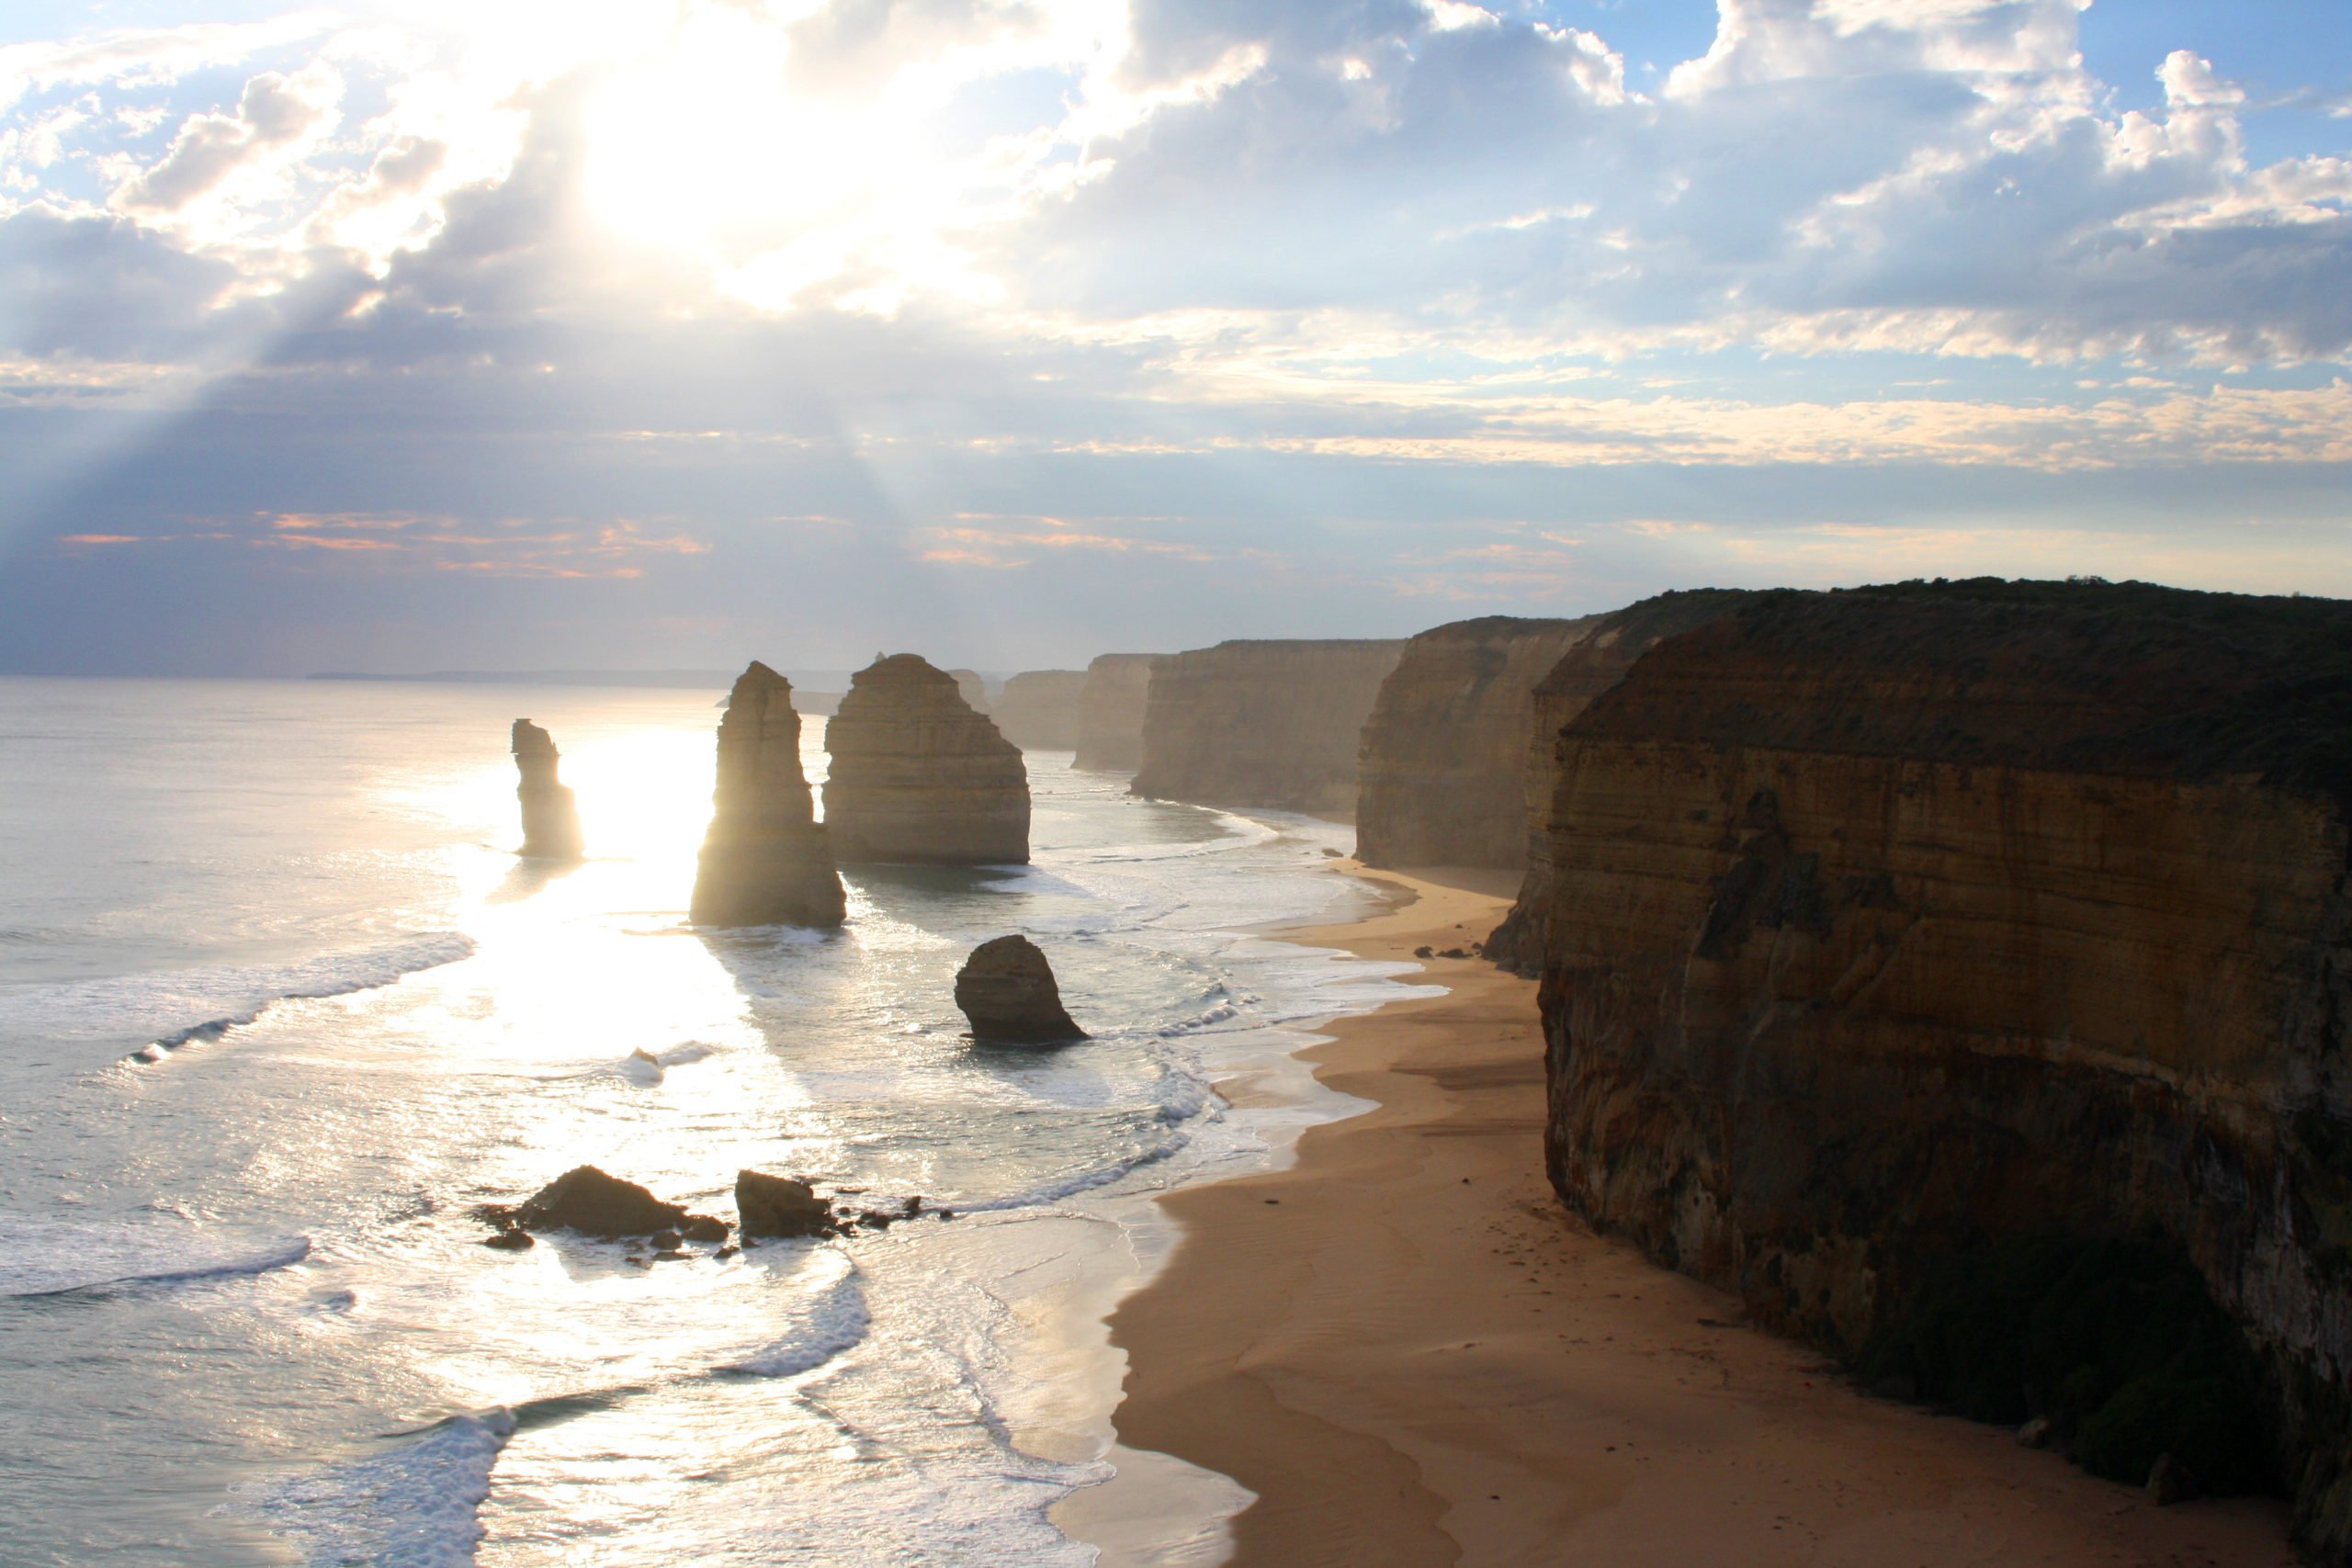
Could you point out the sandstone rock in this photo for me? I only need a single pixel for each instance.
(1006, 989)
(766, 861)
(1039, 709)
(971, 687)
(780, 1206)
(703, 1227)
(1110, 712)
(1443, 777)
(510, 1241)
(586, 1199)
(1274, 724)
(551, 815)
(1883, 922)
(918, 776)
(1596, 660)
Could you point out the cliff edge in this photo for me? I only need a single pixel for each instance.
(1274, 724)
(1887, 924)
(1110, 712)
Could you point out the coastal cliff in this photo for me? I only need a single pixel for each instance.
(1443, 776)
(1039, 709)
(765, 861)
(918, 776)
(1110, 712)
(1262, 723)
(1596, 660)
(1889, 924)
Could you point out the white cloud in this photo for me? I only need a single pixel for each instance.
(276, 118)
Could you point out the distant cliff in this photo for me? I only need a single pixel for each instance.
(1110, 711)
(1596, 660)
(1271, 723)
(1441, 779)
(1886, 924)
(1039, 709)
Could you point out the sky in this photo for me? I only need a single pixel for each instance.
(668, 334)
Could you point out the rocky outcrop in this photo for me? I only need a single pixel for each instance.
(1593, 663)
(918, 776)
(1110, 712)
(1886, 924)
(770, 1206)
(550, 816)
(1007, 992)
(586, 1199)
(1039, 709)
(1441, 779)
(765, 861)
(1272, 724)
(971, 688)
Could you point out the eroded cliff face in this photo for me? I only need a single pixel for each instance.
(916, 776)
(1274, 724)
(766, 860)
(1110, 712)
(1879, 924)
(1039, 709)
(1596, 659)
(1442, 778)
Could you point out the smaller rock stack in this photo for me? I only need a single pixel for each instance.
(917, 777)
(766, 861)
(1006, 989)
(550, 816)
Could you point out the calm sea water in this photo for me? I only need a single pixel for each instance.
(243, 1315)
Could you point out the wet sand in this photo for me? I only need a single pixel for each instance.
(1412, 1354)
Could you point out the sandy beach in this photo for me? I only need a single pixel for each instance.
(1411, 1353)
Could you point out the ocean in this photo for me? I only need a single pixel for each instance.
(279, 1004)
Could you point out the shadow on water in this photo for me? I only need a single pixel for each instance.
(531, 876)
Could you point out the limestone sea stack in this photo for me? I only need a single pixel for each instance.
(1442, 778)
(1038, 711)
(972, 688)
(1593, 663)
(1110, 712)
(1274, 724)
(917, 777)
(766, 861)
(1891, 924)
(551, 815)
(1006, 991)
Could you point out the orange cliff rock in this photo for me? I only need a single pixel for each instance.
(1110, 712)
(766, 861)
(1881, 924)
(1443, 776)
(1274, 724)
(916, 776)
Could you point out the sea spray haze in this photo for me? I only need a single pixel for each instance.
(278, 1003)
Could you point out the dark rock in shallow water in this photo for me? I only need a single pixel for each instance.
(780, 1206)
(510, 1241)
(702, 1227)
(1006, 988)
(587, 1201)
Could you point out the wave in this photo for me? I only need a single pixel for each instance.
(413, 1505)
(648, 1067)
(335, 975)
(51, 1258)
(837, 1322)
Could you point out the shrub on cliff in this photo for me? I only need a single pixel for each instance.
(2117, 1342)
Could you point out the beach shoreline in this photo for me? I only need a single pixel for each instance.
(1408, 1351)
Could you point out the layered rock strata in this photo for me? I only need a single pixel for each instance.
(766, 861)
(1039, 709)
(916, 776)
(1110, 712)
(1443, 776)
(1594, 661)
(1006, 991)
(1274, 724)
(551, 815)
(1886, 923)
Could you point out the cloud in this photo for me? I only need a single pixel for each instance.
(276, 118)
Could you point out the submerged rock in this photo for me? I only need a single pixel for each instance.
(780, 1206)
(586, 1199)
(766, 861)
(1006, 988)
(551, 815)
(918, 776)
